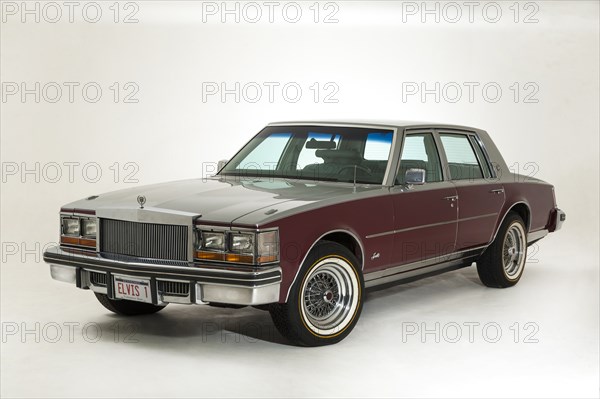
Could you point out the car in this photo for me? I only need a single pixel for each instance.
(304, 219)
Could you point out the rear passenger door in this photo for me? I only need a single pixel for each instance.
(480, 196)
(424, 215)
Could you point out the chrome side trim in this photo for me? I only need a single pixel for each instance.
(410, 274)
(424, 226)
(386, 274)
(362, 250)
(487, 215)
(536, 235)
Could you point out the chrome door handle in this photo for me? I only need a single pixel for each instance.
(497, 191)
(451, 198)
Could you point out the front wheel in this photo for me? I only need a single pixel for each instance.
(503, 262)
(325, 302)
(127, 308)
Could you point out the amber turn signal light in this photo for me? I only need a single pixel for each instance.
(218, 256)
(83, 242)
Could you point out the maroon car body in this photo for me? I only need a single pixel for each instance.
(376, 203)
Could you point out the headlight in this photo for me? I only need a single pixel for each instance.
(213, 240)
(242, 243)
(78, 231)
(88, 227)
(248, 247)
(70, 226)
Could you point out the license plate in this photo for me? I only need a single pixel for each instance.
(133, 289)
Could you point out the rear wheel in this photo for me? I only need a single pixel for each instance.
(503, 262)
(326, 300)
(127, 308)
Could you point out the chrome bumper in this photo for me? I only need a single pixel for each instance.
(172, 282)
(560, 219)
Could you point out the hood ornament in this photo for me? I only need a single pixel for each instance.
(141, 200)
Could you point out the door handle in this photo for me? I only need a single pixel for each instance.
(452, 198)
(497, 191)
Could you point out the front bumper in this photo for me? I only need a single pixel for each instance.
(171, 282)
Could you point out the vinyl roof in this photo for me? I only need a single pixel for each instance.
(374, 122)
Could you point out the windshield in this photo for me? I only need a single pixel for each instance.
(319, 153)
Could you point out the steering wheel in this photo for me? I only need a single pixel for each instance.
(363, 168)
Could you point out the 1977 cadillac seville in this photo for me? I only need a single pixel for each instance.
(306, 217)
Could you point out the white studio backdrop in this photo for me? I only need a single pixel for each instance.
(98, 96)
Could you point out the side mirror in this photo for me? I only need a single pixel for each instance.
(221, 164)
(415, 177)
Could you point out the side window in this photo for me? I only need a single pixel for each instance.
(377, 147)
(461, 157)
(419, 152)
(266, 155)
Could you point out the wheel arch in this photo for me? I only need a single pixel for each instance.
(343, 237)
(522, 209)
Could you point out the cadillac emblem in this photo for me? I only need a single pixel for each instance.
(141, 200)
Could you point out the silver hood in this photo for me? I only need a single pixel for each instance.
(220, 200)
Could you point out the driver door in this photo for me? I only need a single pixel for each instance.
(425, 216)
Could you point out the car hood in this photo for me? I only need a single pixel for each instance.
(219, 200)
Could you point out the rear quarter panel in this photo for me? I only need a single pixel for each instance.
(536, 194)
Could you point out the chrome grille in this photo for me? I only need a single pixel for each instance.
(144, 240)
(98, 279)
(174, 288)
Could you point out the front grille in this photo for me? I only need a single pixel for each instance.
(98, 279)
(174, 288)
(144, 240)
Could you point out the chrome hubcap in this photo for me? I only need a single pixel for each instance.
(321, 295)
(513, 251)
(328, 296)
